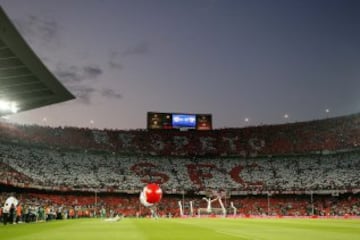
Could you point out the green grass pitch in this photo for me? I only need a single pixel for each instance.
(168, 229)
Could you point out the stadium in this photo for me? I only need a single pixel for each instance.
(284, 181)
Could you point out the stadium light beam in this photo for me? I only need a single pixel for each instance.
(8, 106)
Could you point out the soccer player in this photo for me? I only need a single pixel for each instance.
(5, 214)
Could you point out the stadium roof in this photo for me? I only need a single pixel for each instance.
(25, 82)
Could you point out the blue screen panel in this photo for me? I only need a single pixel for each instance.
(184, 120)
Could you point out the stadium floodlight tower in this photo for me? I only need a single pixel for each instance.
(25, 82)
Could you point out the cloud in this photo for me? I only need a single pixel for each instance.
(76, 78)
(39, 29)
(116, 56)
(110, 93)
(139, 49)
(114, 61)
(83, 93)
(92, 71)
(76, 74)
(115, 64)
(68, 74)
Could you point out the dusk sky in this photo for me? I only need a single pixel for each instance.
(235, 59)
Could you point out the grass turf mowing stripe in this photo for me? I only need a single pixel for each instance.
(178, 229)
(89, 229)
(282, 229)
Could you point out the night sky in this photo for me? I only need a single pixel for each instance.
(235, 59)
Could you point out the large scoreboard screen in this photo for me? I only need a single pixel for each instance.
(183, 120)
(157, 120)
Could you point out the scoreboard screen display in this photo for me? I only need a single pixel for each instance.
(203, 122)
(184, 120)
(156, 120)
(159, 121)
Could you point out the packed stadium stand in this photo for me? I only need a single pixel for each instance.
(307, 168)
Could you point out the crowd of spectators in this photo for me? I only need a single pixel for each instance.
(59, 169)
(294, 138)
(49, 206)
(320, 158)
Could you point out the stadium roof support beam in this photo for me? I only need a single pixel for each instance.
(24, 79)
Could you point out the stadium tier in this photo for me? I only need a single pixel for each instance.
(320, 155)
(321, 136)
(296, 169)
